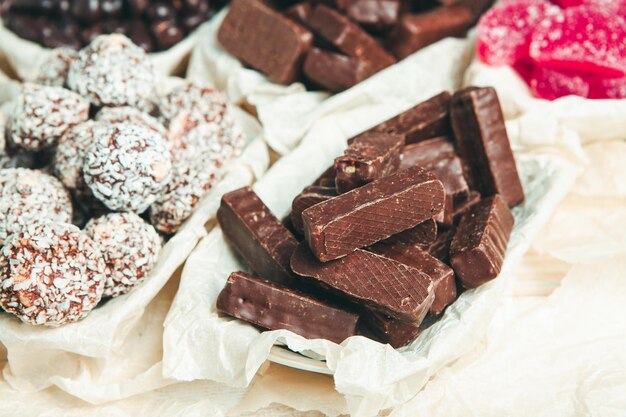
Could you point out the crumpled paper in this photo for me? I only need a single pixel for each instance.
(25, 57)
(288, 112)
(100, 358)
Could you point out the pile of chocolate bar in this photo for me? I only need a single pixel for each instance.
(415, 211)
(336, 44)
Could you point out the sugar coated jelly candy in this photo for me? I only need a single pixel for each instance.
(552, 84)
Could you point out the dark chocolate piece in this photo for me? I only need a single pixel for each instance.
(375, 14)
(422, 235)
(349, 38)
(460, 208)
(439, 273)
(326, 176)
(371, 280)
(426, 120)
(369, 157)
(257, 235)
(483, 144)
(309, 197)
(335, 72)
(373, 212)
(416, 31)
(388, 330)
(300, 12)
(274, 307)
(440, 248)
(265, 39)
(479, 245)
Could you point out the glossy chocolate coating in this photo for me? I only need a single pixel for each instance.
(335, 72)
(374, 14)
(275, 307)
(388, 330)
(265, 39)
(441, 275)
(373, 212)
(309, 197)
(479, 245)
(257, 235)
(422, 235)
(371, 280)
(416, 31)
(348, 37)
(368, 157)
(483, 144)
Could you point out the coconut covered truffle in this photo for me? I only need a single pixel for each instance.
(126, 167)
(42, 114)
(130, 247)
(53, 71)
(50, 274)
(114, 115)
(112, 71)
(28, 196)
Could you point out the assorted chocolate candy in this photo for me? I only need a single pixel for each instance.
(153, 25)
(105, 153)
(336, 44)
(417, 208)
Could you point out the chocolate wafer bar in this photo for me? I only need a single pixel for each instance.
(335, 72)
(309, 197)
(388, 330)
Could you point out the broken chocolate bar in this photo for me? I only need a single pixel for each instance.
(259, 237)
(483, 144)
(428, 119)
(388, 330)
(309, 197)
(370, 156)
(365, 278)
(374, 14)
(422, 235)
(265, 39)
(348, 37)
(479, 245)
(274, 307)
(439, 273)
(335, 72)
(373, 212)
(416, 31)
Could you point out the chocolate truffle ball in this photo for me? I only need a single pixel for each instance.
(127, 166)
(114, 115)
(112, 71)
(53, 71)
(28, 196)
(41, 114)
(130, 247)
(50, 274)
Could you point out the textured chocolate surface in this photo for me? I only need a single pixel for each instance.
(265, 39)
(379, 283)
(348, 37)
(426, 120)
(416, 31)
(369, 156)
(257, 235)
(373, 212)
(440, 274)
(309, 197)
(374, 14)
(274, 307)
(386, 329)
(335, 72)
(479, 245)
(483, 144)
(422, 235)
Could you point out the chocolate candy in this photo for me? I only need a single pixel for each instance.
(479, 245)
(371, 213)
(257, 235)
(274, 307)
(265, 39)
(309, 197)
(483, 144)
(422, 235)
(376, 282)
(300, 12)
(375, 14)
(327, 178)
(348, 37)
(416, 31)
(439, 273)
(388, 330)
(440, 248)
(426, 120)
(369, 157)
(335, 72)
(475, 6)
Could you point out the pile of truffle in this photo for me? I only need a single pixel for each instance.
(153, 25)
(93, 144)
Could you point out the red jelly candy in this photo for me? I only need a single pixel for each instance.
(552, 84)
(504, 32)
(573, 3)
(608, 88)
(585, 39)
